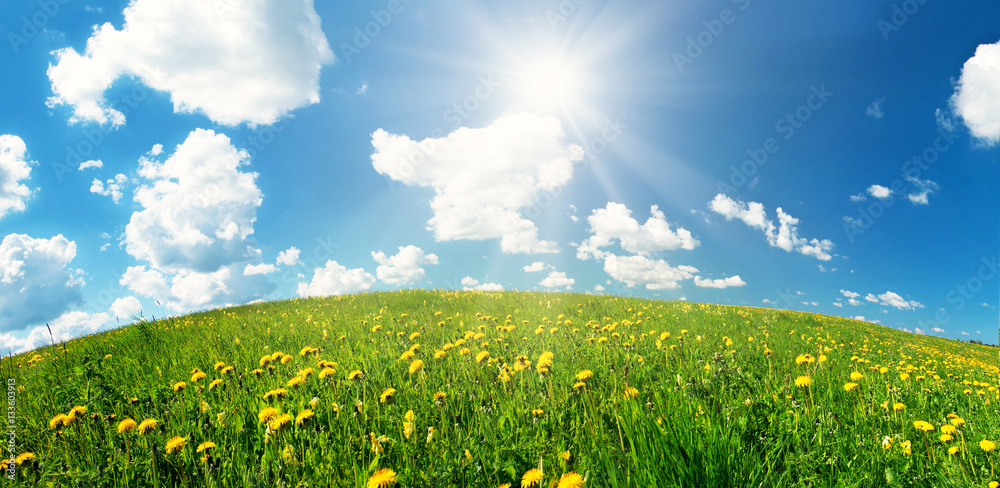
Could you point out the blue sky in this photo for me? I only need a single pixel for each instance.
(832, 158)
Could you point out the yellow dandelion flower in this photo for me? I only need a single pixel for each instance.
(922, 425)
(180, 385)
(957, 421)
(503, 485)
(993, 484)
(77, 410)
(898, 407)
(850, 386)
(276, 393)
(24, 457)
(952, 450)
(280, 423)
(531, 478)
(175, 444)
(303, 416)
(948, 429)
(267, 414)
(570, 480)
(295, 381)
(631, 392)
(204, 446)
(387, 395)
(987, 445)
(147, 426)
(326, 373)
(286, 359)
(537, 411)
(198, 377)
(946, 437)
(803, 381)
(904, 376)
(482, 356)
(214, 384)
(439, 354)
(584, 375)
(416, 366)
(58, 421)
(355, 375)
(382, 478)
(579, 384)
(126, 425)
(407, 355)
(218, 365)
(856, 376)
(565, 455)
(439, 397)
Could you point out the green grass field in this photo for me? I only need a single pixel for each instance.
(422, 388)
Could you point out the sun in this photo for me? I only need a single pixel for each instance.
(551, 83)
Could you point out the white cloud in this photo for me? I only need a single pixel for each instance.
(289, 257)
(485, 287)
(719, 283)
(879, 191)
(859, 317)
(248, 62)
(335, 279)
(653, 274)
(598, 288)
(890, 299)
(922, 188)
(405, 267)
(615, 222)
(362, 89)
(126, 308)
(855, 302)
(944, 120)
(36, 283)
(785, 236)
(150, 283)
(557, 279)
(64, 327)
(259, 269)
(194, 227)
(860, 197)
(875, 109)
(91, 164)
(198, 207)
(535, 267)
(483, 178)
(838, 304)
(14, 170)
(964, 333)
(849, 294)
(977, 94)
(918, 330)
(752, 214)
(937, 329)
(112, 188)
(471, 284)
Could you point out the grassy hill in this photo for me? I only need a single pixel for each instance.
(422, 388)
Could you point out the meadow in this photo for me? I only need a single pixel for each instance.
(507, 389)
